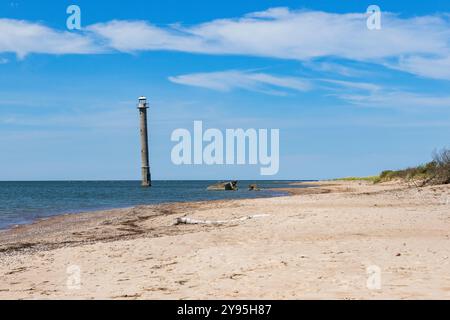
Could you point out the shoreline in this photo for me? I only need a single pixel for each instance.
(310, 187)
(314, 245)
(129, 207)
(53, 224)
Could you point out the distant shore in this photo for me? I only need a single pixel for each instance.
(317, 243)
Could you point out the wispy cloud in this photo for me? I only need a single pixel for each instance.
(3, 60)
(297, 35)
(396, 99)
(352, 85)
(336, 69)
(378, 95)
(354, 92)
(23, 37)
(419, 45)
(428, 67)
(233, 79)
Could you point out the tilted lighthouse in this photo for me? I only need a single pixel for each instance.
(146, 177)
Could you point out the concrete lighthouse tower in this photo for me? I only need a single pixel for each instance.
(146, 177)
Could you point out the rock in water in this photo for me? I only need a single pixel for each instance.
(224, 186)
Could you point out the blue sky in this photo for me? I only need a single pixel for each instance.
(348, 101)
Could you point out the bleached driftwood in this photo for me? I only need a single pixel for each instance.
(194, 221)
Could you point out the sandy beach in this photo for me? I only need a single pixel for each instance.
(339, 240)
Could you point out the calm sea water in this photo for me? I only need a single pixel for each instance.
(24, 202)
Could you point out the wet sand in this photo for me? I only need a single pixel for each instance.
(339, 240)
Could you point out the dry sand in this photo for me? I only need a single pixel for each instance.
(316, 244)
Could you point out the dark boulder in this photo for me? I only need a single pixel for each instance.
(224, 186)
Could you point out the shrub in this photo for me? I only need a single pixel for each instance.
(435, 172)
(441, 167)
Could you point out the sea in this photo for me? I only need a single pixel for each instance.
(26, 202)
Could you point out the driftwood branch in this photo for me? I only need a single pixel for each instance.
(219, 222)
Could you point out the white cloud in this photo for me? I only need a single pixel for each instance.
(354, 92)
(396, 99)
(336, 69)
(298, 35)
(22, 37)
(131, 36)
(378, 95)
(419, 45)
(358, 85)
(437, 68)
(266, 83)
(229, 80)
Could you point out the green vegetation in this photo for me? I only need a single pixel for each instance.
(373, 179)
(432, 173)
